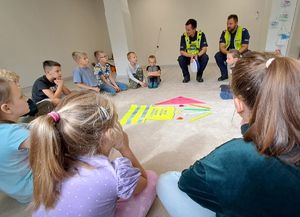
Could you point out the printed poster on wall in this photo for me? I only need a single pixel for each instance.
(280, 25)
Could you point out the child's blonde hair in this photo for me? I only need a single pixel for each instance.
(77, 55)
(5, 90)
(9, 75)
(86, 121)
(235, 53)
(129, 53)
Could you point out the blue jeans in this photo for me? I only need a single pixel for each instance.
(221, 62)
(111, 90)
(185, 61)
(176, 202)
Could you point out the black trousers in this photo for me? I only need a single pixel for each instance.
(185, 61)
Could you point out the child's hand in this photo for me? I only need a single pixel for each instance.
(59, 82)
(143, 84)
(122, 143)
(96, 89)
(117, 88)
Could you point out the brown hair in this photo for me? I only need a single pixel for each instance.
(85, 120)
(275, 119)
(151, 57)
(234, 17)
(96, 53)
(247, 76)
(235, 53)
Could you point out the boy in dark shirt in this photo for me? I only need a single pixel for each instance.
(50, 85)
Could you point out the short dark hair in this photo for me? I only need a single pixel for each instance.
(234, 17)
(191, 22)
(50, 63)
(96, 53)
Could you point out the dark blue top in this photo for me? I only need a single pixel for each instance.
(235, 180)
(245, 38)
(203, 42)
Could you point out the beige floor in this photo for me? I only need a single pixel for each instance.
(168, 145)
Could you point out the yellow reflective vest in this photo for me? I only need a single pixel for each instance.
(237, 38)
(193, 47)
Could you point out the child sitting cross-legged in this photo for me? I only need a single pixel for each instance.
(103, 73)
(83, 76)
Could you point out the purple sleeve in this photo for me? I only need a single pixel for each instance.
(127, 177)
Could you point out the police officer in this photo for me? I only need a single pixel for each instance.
(193, 45)
(234, 37)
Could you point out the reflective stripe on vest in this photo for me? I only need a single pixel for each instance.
(193, 47)
(237, 38)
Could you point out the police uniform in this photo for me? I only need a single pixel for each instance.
(233, 40)
(193, 45)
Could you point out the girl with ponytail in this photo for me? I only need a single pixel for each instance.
(72, 174)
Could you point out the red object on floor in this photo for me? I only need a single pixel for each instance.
(179, 118)
(180, 100)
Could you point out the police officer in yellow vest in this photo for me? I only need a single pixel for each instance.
(234, 37)
(193, 45)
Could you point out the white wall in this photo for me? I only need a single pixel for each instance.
(120, 32)
(149, 15)
(35, 30)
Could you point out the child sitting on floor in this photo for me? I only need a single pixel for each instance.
(51, 85)
(103, 73)
(15, 172)
(153, 72)
(83, 76)
(72, 173)
(135, 72)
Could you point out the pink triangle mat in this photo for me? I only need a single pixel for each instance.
(180, 100)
